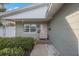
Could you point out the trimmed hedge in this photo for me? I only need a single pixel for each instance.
(12, 52)
(25, 43)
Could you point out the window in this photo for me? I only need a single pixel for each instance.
(33, 28)
(29, 27)
(26, 27)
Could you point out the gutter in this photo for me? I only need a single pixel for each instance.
(49, 7)
(52, 10)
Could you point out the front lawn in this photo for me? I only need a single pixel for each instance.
(18, 46)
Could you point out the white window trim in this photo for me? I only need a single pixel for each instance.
(30, 29)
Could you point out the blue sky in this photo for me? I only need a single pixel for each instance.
(12, 6)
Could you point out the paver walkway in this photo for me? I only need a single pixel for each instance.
(44, 50)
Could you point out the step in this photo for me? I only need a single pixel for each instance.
(41, 41)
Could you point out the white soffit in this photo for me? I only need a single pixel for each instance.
(39, 12)
(44, 12)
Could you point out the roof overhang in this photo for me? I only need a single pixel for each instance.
(36, 12)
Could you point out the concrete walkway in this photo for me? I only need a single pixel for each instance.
(52, 51)
(44, 50)
(40, 50)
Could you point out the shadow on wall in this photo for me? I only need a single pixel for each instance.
(62, 34)
(73, 21)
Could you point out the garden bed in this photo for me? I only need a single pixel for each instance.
(18, 46)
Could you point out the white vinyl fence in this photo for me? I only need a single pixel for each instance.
(8, 31)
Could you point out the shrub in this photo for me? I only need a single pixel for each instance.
(25, 43)
(6, 43)
(2, 9)
(12, 52)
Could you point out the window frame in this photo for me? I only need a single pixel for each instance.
(30, 28)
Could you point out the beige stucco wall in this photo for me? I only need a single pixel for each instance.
(64, 33)
(20, 30)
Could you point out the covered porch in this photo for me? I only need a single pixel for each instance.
(37, 30)
(32, 21)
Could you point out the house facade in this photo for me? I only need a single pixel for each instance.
(27, 26)
(54, 21)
